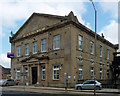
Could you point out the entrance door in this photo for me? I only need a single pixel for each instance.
(34, 75)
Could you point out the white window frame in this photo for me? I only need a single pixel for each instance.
(80, 42)
(80, 74)
(100, 64)
(18, 51)
(100, 73)
(56, 42)
(108, 74)
(80, 58)
(92, 61)
(26, 71)
(92, 47)
(58, 72)
(92, 73)
(108, 64)
(100, 51)
(17, 74)
(44, 45)
(35, 47)
(43, 73)
(108, 54)
(26, 49)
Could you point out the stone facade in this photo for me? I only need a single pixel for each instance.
(41, 66)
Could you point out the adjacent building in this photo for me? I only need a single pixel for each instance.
(5, 73)
(49, 47)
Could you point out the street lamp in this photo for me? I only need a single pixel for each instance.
(95, 44)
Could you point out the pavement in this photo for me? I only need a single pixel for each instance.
(50, 89)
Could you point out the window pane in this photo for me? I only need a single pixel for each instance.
(92, 47)
(18, 50)
(26, 70)
(80, 40)
(56, 44)
(100, 73)
(34, 47)
(107, 53)
(55, 72)
(26, 49)
(43, 73)
(107, 74)
(80, 72)
(43, 45)
(18, 74)
(100, 51)
(92, 73)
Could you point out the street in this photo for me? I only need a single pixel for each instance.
(18, 93)
(50, 91)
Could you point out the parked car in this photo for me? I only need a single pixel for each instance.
(89, 84)
(2, 81)
(8, 82)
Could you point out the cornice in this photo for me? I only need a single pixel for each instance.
(60, 25)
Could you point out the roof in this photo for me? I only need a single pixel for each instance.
(70, 19)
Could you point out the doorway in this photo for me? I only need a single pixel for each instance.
(34, 75)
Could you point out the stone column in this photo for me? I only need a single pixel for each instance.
(47, 74)
(38, 78)
(22, 77)
(28, 74)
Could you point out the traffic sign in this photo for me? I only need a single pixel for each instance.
(23, 74)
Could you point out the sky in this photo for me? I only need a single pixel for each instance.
(15, 12)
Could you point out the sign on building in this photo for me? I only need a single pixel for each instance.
(10, 55)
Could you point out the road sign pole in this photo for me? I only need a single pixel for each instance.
(66, 81)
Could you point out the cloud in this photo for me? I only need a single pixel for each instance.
(107, 0)
(111, 7)
(4, 61)
(88, 25)
(14, 11)
(19, 10)
(2, 34)
(111, 32)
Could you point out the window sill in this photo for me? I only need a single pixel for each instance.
(57, 49)
(80, 80)
(43, 51)
(18, 56)
(35, 53)
(56, 79)
(92, 53)
(80, 49)
(26, 54)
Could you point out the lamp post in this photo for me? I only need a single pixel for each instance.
(95, 44)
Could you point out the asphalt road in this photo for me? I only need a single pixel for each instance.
(18, 93)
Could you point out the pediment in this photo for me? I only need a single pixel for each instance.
(35, 22)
